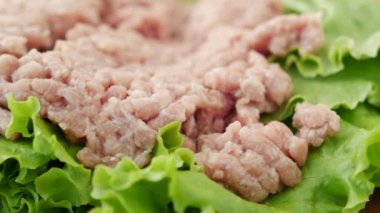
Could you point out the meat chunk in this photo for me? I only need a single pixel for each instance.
(44, 89)
(292, 146)
(256, 160)
(245, 160)
(116, 134)
(231, 172)
(30, 70)
(280, 34)
(257, 86)
(315, 123)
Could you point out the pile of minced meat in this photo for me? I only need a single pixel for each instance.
(110, 73)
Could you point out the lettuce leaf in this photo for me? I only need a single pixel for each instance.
(367, 117)
(172, 182)
(359, 81)
(340, 175)
(363, 116)
(351, 29)
(39, 172)
(337, 176)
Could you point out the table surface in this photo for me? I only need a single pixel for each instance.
(374, 205)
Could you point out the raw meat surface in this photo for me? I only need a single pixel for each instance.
(37, 24)
(315, 123)
(128, 67)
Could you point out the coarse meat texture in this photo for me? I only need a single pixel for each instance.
(257, 160)
(25, 25)
(128, 67)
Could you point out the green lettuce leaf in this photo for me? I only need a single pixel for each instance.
(351, 29)
(172, 182)
(39, 172)
(359, 81)
(367, 117)
(363, 116)
(195, 191)
(337, 176)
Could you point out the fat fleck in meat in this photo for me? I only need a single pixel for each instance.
(145, 63)
(37, 24)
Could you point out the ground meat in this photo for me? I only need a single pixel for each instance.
(256, 160)
(161, 19)
(114, 131)
(15, 45)
(44, 89)
(315, 123)
(294, 147)
(37, 24)
(124, 46)
(246, 161)
(210, 14)
(5, 118)
(280, 34)
(8, 65)
(145, 63)
(154, 95)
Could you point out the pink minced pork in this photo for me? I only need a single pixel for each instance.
(113, 82)
(160, 19)
(246, 14)
(5, 118)
(246, 153)
(315, 123)
(231, 157)
(37, 24)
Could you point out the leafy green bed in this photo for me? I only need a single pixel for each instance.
(39, 173)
